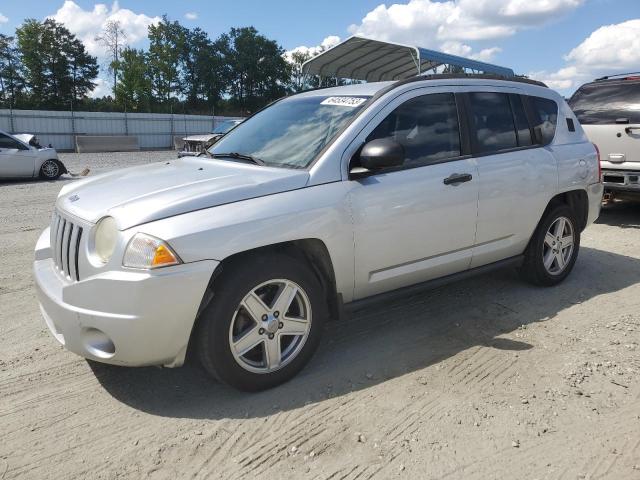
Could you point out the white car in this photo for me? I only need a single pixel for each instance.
(195, 145)
(609, 110)
(324, 200)
(22, 157)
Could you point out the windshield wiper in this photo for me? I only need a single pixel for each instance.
(238, 156)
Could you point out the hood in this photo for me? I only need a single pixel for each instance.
(138, 195)
(207, 137)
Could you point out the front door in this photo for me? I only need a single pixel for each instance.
(16, 159)
(416, 222)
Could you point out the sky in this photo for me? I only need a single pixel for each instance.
(562, 42)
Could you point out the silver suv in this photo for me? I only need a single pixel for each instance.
(609, 110)
(328, 198)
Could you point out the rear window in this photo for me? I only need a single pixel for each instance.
(547, 113)
(604, 103)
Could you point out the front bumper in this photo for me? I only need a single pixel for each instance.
(621, 180)
(128, 317)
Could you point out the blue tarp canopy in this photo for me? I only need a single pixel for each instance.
(360, 58)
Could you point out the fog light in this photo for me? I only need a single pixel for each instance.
(98, 343)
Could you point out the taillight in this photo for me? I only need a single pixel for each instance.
(599, 164)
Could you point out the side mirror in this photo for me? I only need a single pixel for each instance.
(378, 154)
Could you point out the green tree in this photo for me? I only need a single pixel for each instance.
(204, 70)
(11, 81)
(57, 69)
(166, 52)
(259, 72)
(134, 85)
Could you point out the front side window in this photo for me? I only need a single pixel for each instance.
(492, 121)
(10, 143)
(427, 127)
(547, 112)
(292, 132)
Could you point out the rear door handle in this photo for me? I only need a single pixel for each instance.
(456, 178)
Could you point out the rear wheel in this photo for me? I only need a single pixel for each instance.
(553, 249)
(50, 170)
(263, 324)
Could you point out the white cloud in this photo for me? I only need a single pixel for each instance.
(450, 25)
(464, 50)
(3, 19)
(428, 22)
(608, 50)
(102, 89)
(191, 16)
(327, 43)
(86, 24)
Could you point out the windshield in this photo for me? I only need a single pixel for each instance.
(225, 126)
(291, 132)
(605, 103)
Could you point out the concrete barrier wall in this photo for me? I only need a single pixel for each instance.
(104, 143)
(153, 130)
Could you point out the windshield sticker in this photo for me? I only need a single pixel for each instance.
(344, 101)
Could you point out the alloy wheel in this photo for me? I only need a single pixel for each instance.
(558, 246)
(50, 169)
(270, 326)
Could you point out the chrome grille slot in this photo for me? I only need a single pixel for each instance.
(65, 246)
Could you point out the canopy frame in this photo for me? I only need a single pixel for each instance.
(360, 58)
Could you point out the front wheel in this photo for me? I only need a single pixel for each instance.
(50, 170)
(263, 324)
(553, 249)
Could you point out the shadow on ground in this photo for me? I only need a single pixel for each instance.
(621, 213)
(384, 342)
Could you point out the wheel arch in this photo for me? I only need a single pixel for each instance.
(311, 250)
(577, 199)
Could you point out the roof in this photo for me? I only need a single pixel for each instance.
(360, 58)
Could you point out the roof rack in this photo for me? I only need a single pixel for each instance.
(611, 77)
(481, 76)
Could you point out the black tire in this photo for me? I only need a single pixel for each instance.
(51, 170)
(533, 269)
(230, 288)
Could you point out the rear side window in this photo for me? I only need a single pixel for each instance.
(547, 117)
(604, 103)
(427, 128)
(493, 121)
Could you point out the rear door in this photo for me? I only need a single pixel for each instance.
(16, 159)
(609, 112)
(516, 176)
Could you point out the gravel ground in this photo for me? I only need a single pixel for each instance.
(487, 378)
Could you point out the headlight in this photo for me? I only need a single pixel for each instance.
(105, 239)
(145, 251)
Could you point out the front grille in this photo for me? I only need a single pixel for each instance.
(65, 246)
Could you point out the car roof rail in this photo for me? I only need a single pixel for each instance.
(481, 76)
(611, 77)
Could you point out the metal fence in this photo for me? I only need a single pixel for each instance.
(154, 130)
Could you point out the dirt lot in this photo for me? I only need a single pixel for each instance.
(488, 378)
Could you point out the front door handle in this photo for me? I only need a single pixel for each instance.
(457, 178)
